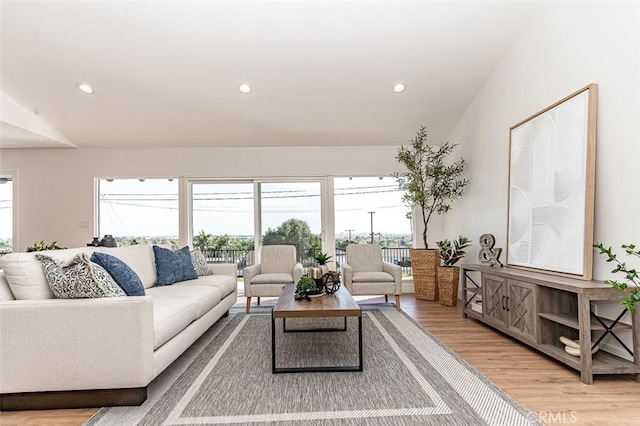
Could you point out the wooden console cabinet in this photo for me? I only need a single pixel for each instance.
(538, 308)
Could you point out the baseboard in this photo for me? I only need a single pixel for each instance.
(407, 286)
(72, 399)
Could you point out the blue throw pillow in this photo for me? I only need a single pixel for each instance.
(121, 273)
(173, 266)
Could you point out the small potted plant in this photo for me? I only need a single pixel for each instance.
(448, 274)
(323, 259)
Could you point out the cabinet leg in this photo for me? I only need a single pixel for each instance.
(635, 321)
(584, 320)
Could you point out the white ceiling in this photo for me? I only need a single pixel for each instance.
(166, 73)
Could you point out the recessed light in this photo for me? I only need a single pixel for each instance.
(399, 88)
(244, 88)
(85, 88)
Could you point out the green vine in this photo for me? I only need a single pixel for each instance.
(630, 275)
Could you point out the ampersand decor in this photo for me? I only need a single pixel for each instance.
(488, 254)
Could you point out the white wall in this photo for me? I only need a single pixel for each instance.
(564, 48)
(56, 186)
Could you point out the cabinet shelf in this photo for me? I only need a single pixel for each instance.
(473, 289)
(571, 321)
(603, 362)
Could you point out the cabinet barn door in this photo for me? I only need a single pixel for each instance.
(521, 308)
(494, 299)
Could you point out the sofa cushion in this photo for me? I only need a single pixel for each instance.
(203, 297)
(171, 315)
(5, 290)
(121, 273)
(175, 307)
(138, 257)
(372, 277)
(173, 266)
(200, 263)
(272, 279)
(25, 275)
(78, 278)
(225, 283)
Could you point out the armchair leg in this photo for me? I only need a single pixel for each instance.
(248, 304)
(386, 298)
(258, 301)
(397, 301)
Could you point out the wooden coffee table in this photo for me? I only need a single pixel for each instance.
(338, 305)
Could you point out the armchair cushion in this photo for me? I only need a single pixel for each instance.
(372, 277)
(277, 259)
(272, 279)
(364, 257)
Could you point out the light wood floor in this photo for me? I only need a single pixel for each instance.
(549, 389)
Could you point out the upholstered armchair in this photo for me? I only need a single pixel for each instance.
(365, 273)
(278, 266)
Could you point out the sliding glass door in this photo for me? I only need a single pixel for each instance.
(290, 213)
(222, 224)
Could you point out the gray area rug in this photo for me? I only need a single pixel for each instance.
(409, 378)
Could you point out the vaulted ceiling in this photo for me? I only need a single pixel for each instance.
(166, 73)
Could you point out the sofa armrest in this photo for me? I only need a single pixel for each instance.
(347, 276)
(224, 269)
(396, 271)
(75, 344)
(297, 272)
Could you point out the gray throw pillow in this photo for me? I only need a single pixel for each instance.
(78, 278)
(200, 263)
(173, 266)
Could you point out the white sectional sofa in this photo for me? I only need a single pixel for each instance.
(69, 353)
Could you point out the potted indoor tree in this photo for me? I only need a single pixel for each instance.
(431, 185)
(448, 274)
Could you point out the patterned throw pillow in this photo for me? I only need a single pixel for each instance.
(173, 266)
(121, 273)
(78, 278)
(200, 263)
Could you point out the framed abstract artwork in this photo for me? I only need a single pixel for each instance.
(551, 186)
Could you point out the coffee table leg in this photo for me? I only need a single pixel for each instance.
(274, 370)
(273, 343)
(359, 339)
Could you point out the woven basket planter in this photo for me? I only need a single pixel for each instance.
(425, 280)
(448, 285)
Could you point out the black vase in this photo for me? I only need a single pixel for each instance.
(108, 241)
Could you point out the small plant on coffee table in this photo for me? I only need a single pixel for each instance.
(305, 283)
(322, 258)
